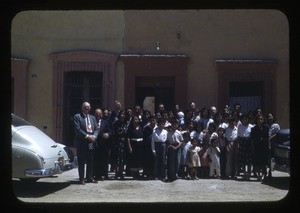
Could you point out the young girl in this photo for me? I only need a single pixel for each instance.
(222, 146)
(204, 160)
(214, 153)
(194, 159)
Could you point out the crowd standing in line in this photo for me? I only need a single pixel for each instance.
(168, 145)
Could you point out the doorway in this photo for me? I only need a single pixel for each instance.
(247, 78)
(79, 87)
(247, 93)
(164, 77)
(161, 88)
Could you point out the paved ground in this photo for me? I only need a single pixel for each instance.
(64, 188)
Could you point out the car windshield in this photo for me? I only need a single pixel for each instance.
(17, 121)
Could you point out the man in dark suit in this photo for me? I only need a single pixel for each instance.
(85, 137)
(101, 158)
(114, 113)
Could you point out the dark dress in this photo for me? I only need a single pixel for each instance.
(119, 146)
(260, 141)
(148, 158)
(135, 159)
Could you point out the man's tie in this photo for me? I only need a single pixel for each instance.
(88, 124)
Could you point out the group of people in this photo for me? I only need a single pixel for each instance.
(167, 145)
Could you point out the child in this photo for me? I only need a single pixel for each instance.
(174, 139)
(186, 144)
(222, 146)
(214, 153)
(194, 159)
(204, 160)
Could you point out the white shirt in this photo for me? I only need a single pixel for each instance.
(206, 122)
(244, 131)
(175, 137)
(158, 135)
(222, 125)
(213, 152)
(198, 135)
(231, 134)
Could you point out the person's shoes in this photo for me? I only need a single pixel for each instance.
(248, 177)
(82, 182)
(259, 178)
(101, 178)
(244, 177)
(92, 181)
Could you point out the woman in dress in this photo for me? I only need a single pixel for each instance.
(245, 149)
(260, 146)
(135, 146)
(120, 142)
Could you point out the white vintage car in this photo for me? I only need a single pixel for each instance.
(34, 154)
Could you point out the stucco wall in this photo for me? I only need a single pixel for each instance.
(37, 34)
(205, 35)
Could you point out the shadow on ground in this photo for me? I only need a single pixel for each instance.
(36, 189)
(278, 182)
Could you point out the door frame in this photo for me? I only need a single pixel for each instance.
(19, 71)
(72, 100)
(247, 70)
(80, 61)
